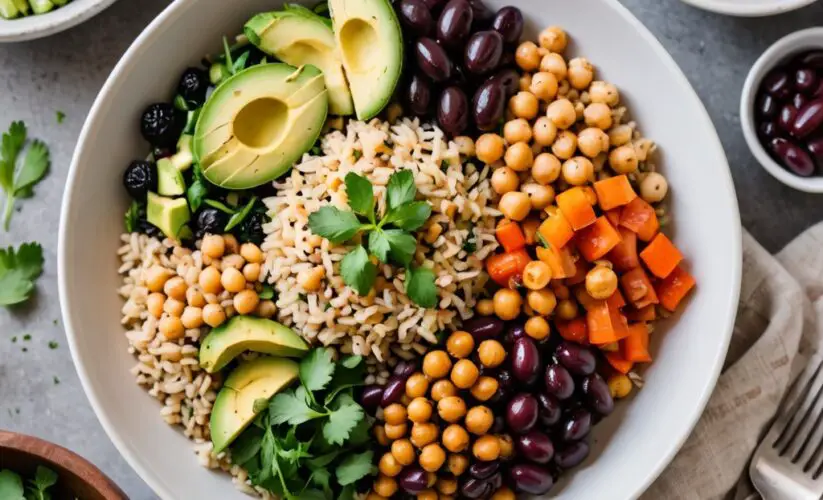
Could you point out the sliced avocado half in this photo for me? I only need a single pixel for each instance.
(245, 333)
(234, 409)
(258, 123)
(298, 36)
(170, 215)
(371, 44)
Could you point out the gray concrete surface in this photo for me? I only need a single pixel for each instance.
(39, 391)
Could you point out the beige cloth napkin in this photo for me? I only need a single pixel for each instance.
(779, 326)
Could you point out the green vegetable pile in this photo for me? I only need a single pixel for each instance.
(390, 239)
(312, 441)
(12, 487)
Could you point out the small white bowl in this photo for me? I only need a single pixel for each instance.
(42, 25)
(749, 8)
(787, 46)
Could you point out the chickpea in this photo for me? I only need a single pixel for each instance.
(554, 39)
(653, 187)
(465, 145)
(394, 414)
(419, 410)
(174, 307)
(436, 364)
(403, 452)
(214, 315)
(598, 115)
(155, 304)
(251, 272)
(266, 309)
(252, 253)
(209, 280)
(560, 290)
(172, 328)
(515, 205)
(156, 278)
(213, 245)
(527, 56)
(540, 196)
(581, 73)
(311, 279)
(507, 304)
(485, 307)
(578, 171)
(517, 130)
(544, 132)
(620, 135)
(565, 145)
(380, 435)
(479, 420)
(525, 82)
(233, 260)
(451, 409)
(592, 141)
(601, 282)
(194, 297)
(455, 438)
(519, 157)
(246, 302)
(396, 431)
(489, 148)
(537, 327)
(604, 92)
(428, 494)
(460, 344)
(503, 493)
(536, 275)
(542, 302)
(506, 446)
(231, 243)
(385, 486)
(546, 168)
(457, 464)
(566, 310)
(504, 180)
(620, 386)
(372, 495)
(524, 105)
(175, 288)
(555, 64)
(491, 353)
(423, 434)
(561, 113)
(233, 280)
(484, 388)
(443, 389)
(464, 374)
(417, 385)
(486, 448)
(388, 466)
(447, 485)
(544, 86)
(623, 160)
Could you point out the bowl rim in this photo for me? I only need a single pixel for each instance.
(778, 51)
(742, 9)
(725, 326)
(43, 25)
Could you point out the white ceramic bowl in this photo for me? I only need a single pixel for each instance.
(784, 48)
(632, 446)
(749, 8)
(62, 18)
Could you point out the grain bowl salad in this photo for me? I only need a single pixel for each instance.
(385, 250)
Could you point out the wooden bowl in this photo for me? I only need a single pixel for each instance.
(76, 476)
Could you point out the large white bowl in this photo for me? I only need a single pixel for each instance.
(631, 447)
(62, 18)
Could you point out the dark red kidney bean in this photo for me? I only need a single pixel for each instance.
(815, 147)
(572, 454)
(484, 327)
(787, 117)
(371, 397)
(799, 100)
(393, 391)
(766, 106)
(597, 394)
(505, 384)
(767, 130)
(535, 446)
(792, 157)
(496, 481)
(434, 5)
(514, 332)
(413, 480)
(521, 413)
(483, 470)
(419, 95)
(507, 59)
(509, 23)
(433, 60)
(404, 369)
(805, 80)
(576, 425)
(476, 488)
(416, 16)
(483, 52)
(559, 382)
(550, 410)
(499, 425)
(489, 105)
(812, 59)
(509, 78)
(777, 84)
(482, 14)
(525, 360)
(531, 478)
(819, 90)
(455, 23)
(453, 111)
(577, 359)
(809, 118)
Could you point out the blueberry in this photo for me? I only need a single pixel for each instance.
(251, 230)
(210, 220)
(162, 124)
(193, 86)
(140, 178)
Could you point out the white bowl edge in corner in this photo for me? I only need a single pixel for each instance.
(60, 19)
(749, 8)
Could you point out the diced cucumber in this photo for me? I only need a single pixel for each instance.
(8, 9)
(41, 6)
(22, 6)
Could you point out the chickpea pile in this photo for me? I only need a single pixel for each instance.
(230, 268)
(442, 422)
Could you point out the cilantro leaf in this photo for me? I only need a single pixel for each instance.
(355, 467)
(11, 485)
(361, 434)
(198, 189)
(287, 407)
(351, 361)
(321, 478)
(247, 445)
(19, 182)
(12, 143)
(361, 195)
(342, 420)
(43, 480)
(345, 378)
(18, 270)
(358, 271)
(268, 451)
(409, 216)
(334, 224)
(240, 216)
(420, 286)
(316, 369)
(402, 246)
(34, 168)
(323, 460)
(267, 292)
(312, 494)
(348, 493)
(132, 217)
(379, 245)
(400, 189)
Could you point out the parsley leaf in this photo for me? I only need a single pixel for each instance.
(316, 369)
(18, 270)
(361, 195)
(198, 189)
(342, 420)
(18, 182)
(379, 245)
(321, 478)
(287, 407)
(238, 217)
(400, 189)
(402, 246)
(132, 217)
(345, 378)
(43, 480)
(358, 271)
(334, 224)
(355, 467)
(34, 168)
(409, 216)
(11, 485)
(12, 143)
(247, 445)
(420, 286)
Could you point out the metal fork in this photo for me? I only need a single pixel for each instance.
(788, 463)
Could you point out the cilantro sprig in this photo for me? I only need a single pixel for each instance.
(389, 240)
(18, 270)
(17, 178)
(13, 488)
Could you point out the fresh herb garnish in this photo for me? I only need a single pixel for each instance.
(238, 217)
(17, 179)
(61, 117)
(267, 292)
(198, 189)
(53, 344)
(470, 245)
(27, 337)
(55, 380)
(227, 54)
(240, 63)
(12, 488)
(132, 217)
(357, 154)
(219, 206)
(18, 270)
(387, 244)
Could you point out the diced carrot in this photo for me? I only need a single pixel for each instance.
(661, 256)
(556, 230)
(574, 330)
(674, 288)
(643, 314)
(616, 301)
(614, 192)
(636, 344)
(530, 227)
(618, 363)
(624, 255)
(638, 288)
(614, 216)
(582, 268)
(510, 236)
(502, 267)
(597, 240)
(559, 259)
(639, 216)
(605, 324)
(575, 206)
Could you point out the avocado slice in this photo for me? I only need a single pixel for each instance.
(41, 6)
(258, 123)
(183, 158)
(9, 9)
(298, 36)
(23, 6)
(169, 179)
(170, 215)
(246, 333)
(233, 410)
(370, 41)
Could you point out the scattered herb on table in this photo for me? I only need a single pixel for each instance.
(17, 178)
(61, 117)
(18, 270)
(390, 240)
(56, 380)
(27, 337)
(53, 344)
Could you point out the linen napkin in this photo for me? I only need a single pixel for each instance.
(779, 327)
